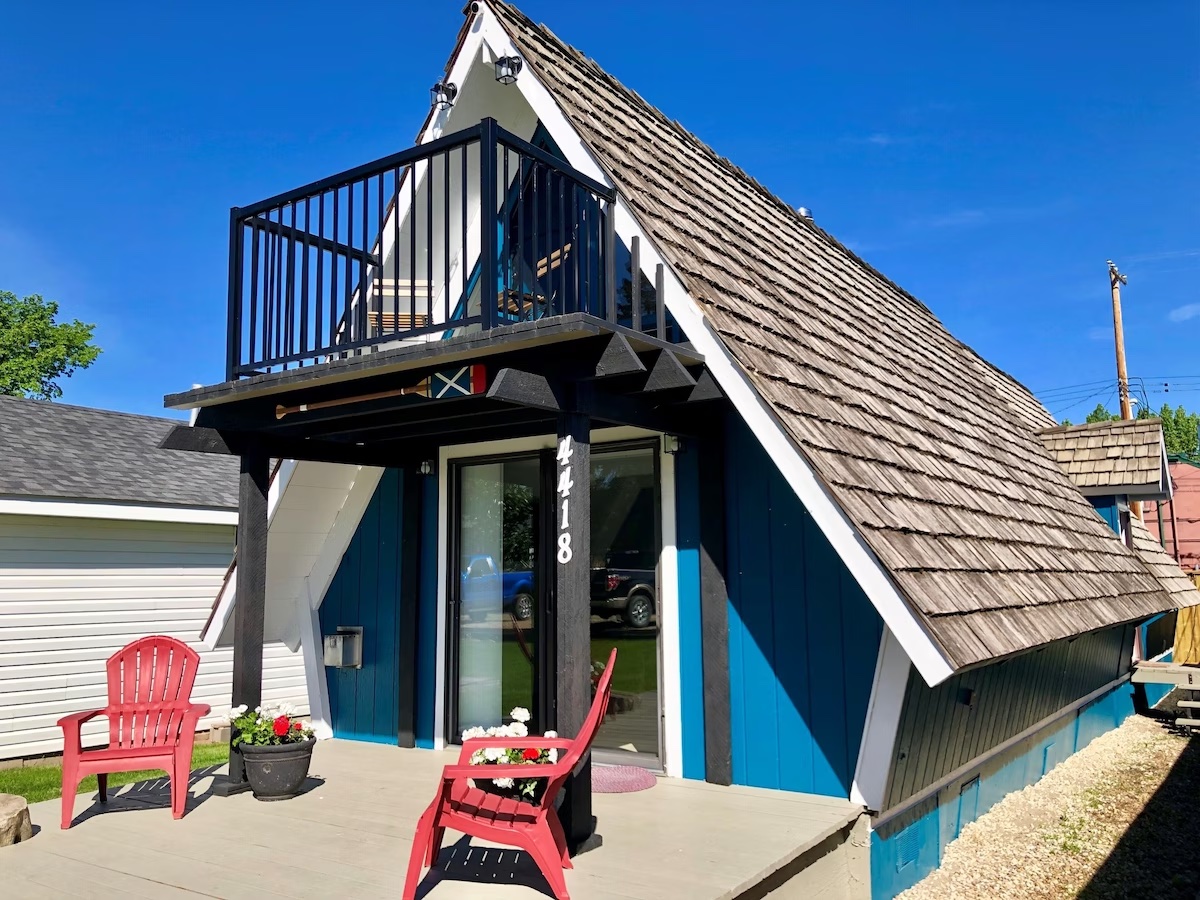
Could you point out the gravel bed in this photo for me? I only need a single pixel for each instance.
(1119, 819)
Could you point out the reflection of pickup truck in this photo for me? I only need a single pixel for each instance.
(629, 591)
(481, 582)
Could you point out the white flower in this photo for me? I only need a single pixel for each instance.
(286, 709)
(502, 782)
(478, 758)
(475, 732)
(519, 714)
(552, 755)
(491, 732)
(518, 729)
(493, 754)
(237, 711)
(551, 734)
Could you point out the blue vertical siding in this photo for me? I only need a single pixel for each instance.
(803, 638)
(909, 846)
(364, 703)
(1110, 510)
(691, 651)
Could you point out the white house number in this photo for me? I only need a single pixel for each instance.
(564, 491)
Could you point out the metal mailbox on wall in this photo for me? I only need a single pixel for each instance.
(343, 649)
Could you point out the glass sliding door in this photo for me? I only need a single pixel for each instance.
(626, 542)
(498, 507)
(502, 655)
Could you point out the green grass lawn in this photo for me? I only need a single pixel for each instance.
(36, 783)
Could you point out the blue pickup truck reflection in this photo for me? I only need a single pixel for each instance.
(483, 583)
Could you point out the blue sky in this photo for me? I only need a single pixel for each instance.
(988, 157)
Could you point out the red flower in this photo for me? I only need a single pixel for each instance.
(281, 725)
(531, 755)
(299, 726)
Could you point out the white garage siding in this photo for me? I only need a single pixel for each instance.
(74, 590)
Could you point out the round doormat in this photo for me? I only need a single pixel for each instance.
(620, 779)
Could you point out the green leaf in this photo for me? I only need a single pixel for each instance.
(36, 352)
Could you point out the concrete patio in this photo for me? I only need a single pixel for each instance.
(350, 834)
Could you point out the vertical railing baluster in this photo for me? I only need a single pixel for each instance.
(428, 243)
(635, 283)
(304, 304)
(364, 272)
(279, 292)
(348, 313)
(252, 341)
(377, 283)
(412, 243)
(488, 300)
(233, 349)
(518, 255)
(289, 328)
(547, 201)
(446, 224)
(463, 268)
(660, 302)
(535, 251)
(269, 293)
(562, 257)
(333, 277)
(610, 262)
(395, 250)
(505, 252)
(575, 249)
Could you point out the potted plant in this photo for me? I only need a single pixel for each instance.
(528, 789)
(276, 747)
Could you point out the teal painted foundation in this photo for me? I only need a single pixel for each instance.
(909, 847)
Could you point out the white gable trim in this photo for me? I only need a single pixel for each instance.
(874, 764)
(212, 631)
(862, 562)
(128, 512)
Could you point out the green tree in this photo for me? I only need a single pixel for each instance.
(1180, 429)
(36, 351)
(1101, 414)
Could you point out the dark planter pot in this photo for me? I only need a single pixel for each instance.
(277, 771)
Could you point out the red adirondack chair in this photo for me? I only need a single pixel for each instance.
(532, 827)
(151, 721)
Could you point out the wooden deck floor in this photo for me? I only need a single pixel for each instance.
(350, 834)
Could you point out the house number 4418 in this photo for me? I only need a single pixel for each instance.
(564, 492)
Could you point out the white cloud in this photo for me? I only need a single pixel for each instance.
(1185, 312)
(1099, 333)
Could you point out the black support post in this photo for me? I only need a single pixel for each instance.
(413, 486)
(572, 613)
(250, 609)
(488, 201)
(714, 615)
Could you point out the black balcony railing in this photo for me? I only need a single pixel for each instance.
(465, 233)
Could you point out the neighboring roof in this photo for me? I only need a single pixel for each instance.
(1177, 584)
(1182, 513)
(52, 450)
(992, 547)
(1121, 457)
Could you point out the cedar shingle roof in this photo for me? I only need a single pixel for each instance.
(53, 450)
(1101, 457)
(985, 537)
(1178, 585)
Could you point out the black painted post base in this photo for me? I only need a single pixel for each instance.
(575, 811)
(235, 782)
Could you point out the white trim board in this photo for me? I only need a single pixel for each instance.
(670, 681)
(129, 512)
(882, 722)
(859, 559)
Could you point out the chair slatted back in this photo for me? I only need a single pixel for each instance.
(149, 690)
(587, 732)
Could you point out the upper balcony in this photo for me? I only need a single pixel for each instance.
(466, 233)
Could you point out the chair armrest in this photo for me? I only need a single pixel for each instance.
(512, 743)
(199, 710)
(527, 770)
(72, 726)
(76, 719)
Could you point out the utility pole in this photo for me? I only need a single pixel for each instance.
(1115, 280)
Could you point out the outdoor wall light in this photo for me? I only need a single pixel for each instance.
(426, 467)
(442, 94)
(671, 444)
(507, 69)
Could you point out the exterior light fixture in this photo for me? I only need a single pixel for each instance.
(442, 94)
(507, 69)
(671, 444)
(426, 467)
